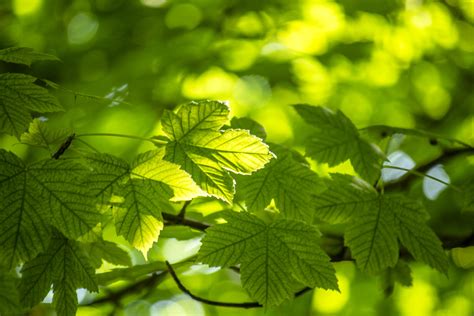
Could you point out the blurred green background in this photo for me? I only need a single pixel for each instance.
(403, 63)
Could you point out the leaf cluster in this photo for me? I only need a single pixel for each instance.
(53, 211)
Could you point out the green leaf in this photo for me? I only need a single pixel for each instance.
(372, 237)
(468, 197)
(415, 235)
(287, 181)
(14, 117)
(48, 191)
(463, 257)
(180, 232)
(108, 251)
(197, 144)
(276, 259)
(24, 229)
(139, 218)
(9, 296)
(34, 196)
(41, 135)
(401, 273)
(376, 222)
(59, 183)
(252, 126)
(132, 273)
(65, 266)
(151, 166)
(34, 97)
(19, 96)
(337, 140)
(23, 55)
(344, 198)
(146, 187)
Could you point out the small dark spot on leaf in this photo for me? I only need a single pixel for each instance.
(433, 142)
(384, 134)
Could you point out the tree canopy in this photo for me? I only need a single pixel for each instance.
(309, 157)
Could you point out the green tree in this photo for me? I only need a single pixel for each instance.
(160, 198)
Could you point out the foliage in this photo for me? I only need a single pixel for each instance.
(275, 259)
(279, 219)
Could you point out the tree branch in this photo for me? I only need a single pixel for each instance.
(206, 301)
(182, 212)
(147, 283)
(181, 220)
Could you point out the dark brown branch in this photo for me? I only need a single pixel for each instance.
(206, 301)
(182, 212)
(178, 220)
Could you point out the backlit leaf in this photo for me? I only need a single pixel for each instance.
(205, 152)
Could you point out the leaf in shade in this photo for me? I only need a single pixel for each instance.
(24, 55)
(288, 182)
(376, 222)
(337, 139)
(275, 258)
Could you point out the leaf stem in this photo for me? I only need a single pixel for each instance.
(445, 156)
(154, 141)
(88, 145)
(423, 175)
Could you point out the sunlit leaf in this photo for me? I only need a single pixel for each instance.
(146, 187)
(197, 144)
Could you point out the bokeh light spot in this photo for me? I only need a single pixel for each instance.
(153, 3)
(213, 84)
(185, 16)
(419, 299)
(329, 302)
(26, 7)
(82, 28)
(252, 91)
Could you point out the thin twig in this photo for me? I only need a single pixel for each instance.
(447, 155)
(147, 283)
(88, 145)
(419, 174)
(154, 141)
(206, 301)
(182, 212)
